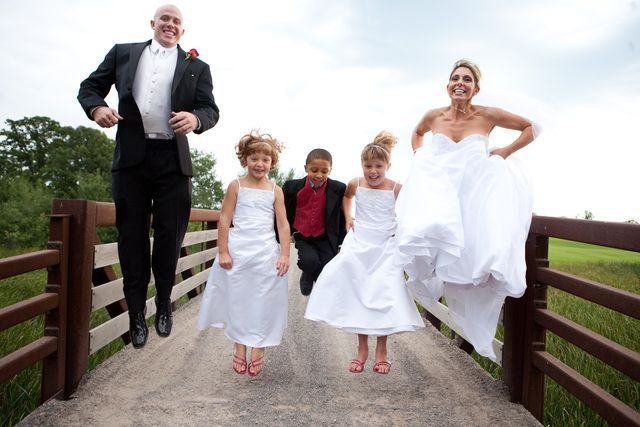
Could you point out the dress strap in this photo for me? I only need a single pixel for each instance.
(358, 181)
(239, 186)
(274, 187)
(394, 186)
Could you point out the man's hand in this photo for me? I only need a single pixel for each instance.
(183, 122)
(106, 117)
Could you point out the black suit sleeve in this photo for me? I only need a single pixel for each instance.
(206, 109)
(95, 88)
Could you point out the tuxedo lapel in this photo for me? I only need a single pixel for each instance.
(181, 67)
(134, 57)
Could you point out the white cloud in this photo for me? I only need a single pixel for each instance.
(574, 24)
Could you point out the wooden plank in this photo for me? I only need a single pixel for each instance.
(107, 254)
(613, 354)
(107, 293)
(611, 409)
(199, 237)
(19, 360)
(616, 299)
(27, 309)
(195, 259)
(441, 311)
(105, 214)
(25, 263)
(189, 284)
(108, 331)
(618, 235)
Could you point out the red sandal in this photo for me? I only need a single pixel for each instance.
(237, 360)
(358, 368)
(251, 371)
(376, 367)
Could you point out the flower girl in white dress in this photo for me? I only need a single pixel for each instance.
(361, 290)
(246, 293)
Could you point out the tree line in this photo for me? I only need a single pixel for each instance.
(40, 160)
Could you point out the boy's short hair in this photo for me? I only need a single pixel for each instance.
(319, 153)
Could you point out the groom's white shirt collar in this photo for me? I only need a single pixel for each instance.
(155, 47)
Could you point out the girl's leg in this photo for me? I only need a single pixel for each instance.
(255, 366)
(239, 358)
(357, 364)
(382, 365)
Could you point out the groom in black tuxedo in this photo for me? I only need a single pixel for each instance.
(164, 94)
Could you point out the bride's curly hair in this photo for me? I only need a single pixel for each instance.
(255, 142)
(380, 148)
(469, 65)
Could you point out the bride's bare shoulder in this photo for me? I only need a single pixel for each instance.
(433, 114)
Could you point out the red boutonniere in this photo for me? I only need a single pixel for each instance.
(191, 55)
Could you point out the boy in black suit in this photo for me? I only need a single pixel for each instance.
(314, 211)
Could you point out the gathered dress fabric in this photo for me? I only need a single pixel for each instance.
(249, 300)
(463, 219)
(362, 290)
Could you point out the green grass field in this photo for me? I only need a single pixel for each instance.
(616, 268)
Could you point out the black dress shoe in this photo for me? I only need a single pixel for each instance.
(164, 318)
(138, 329)
(306, 283)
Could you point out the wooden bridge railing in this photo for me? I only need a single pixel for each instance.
(82, 280)
(524, 359)
(50, 349)
(529, 362)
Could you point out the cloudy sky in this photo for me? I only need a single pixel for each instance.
(332, 73)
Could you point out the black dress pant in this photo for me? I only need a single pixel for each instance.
(155, 188)
(313, 253)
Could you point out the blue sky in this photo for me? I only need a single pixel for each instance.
(333, 73)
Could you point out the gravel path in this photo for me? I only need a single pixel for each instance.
(186, 379)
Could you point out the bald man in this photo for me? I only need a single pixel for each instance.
(164, 94)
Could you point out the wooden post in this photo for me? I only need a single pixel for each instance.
(534, 335)
(513, 350)
(81, 249)
(55, 321)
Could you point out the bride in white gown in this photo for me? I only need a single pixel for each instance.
(464, 211)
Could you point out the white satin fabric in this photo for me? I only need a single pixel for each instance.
(249, 300)
(362, 290)
(463, 218)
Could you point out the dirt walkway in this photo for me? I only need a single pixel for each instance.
(186, 379)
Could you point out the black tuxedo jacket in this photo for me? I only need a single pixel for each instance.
(334, 217)
(191, 91)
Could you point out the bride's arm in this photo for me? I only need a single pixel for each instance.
(424, 126)
(507, 120)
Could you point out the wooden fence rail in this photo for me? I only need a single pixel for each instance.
(527, 320)
(51, 348)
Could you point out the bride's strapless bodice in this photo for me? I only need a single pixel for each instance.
(441, 143)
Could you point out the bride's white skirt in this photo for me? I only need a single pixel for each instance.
(463, 218)
(361, 290)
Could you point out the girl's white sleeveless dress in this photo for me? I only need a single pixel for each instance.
(463, 218)
(249, 300)
(361, 290)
